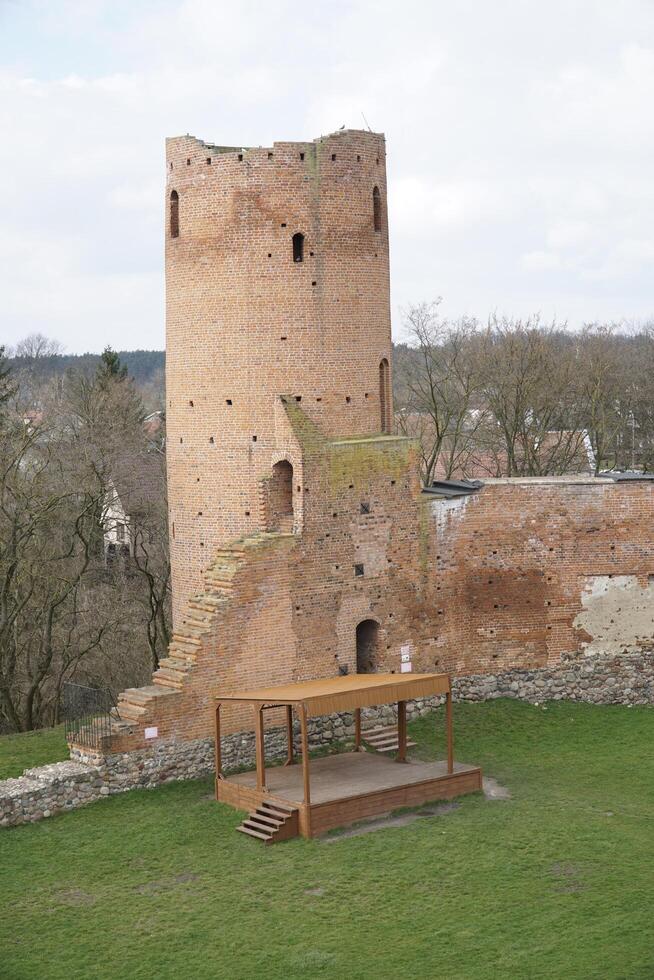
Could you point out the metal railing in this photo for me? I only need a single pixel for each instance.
(86, 712)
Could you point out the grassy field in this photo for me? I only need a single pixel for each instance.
(556, 882)
(18, 752)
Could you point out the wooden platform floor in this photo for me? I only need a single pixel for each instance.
(335, 777)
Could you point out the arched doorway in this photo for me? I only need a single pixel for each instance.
(280, 497)
(367, 646)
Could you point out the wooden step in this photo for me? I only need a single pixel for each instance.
(261, 828)
(187, 643)
(263, 817)
(395, 748)
(271, 822)
(384, 739)
(198, 617)
(284, 808)
(254, 833)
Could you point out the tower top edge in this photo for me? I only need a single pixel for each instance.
(217, 148)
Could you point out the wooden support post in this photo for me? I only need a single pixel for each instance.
(258, 737)
(357, 729)
(450, 732)
(219, 773)
(401, 731)
(305, 767)
(289, 736)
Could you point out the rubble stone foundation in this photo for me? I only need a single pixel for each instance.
(626, 679)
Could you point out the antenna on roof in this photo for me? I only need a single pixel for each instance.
(366, 122)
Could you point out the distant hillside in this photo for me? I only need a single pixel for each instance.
(145, 366)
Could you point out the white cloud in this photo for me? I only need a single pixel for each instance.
(541, 261)
(520, 141)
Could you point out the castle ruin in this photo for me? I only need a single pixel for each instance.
(302, 544)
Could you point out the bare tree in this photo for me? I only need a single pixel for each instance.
(36, 346)
(65, 613)
(46, 533)
(529, 382)
(604, 390)
(438, 390)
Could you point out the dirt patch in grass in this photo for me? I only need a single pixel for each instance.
(74, 897)
(388, 820)
(567, 878)
(165, 884)
(493, 790)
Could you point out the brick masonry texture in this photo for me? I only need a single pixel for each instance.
(246, 323)
(282, 546)
(296, 516)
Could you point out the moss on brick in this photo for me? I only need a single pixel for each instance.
(361, 461)
(306, 431)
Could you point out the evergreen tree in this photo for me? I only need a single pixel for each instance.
(110, 367)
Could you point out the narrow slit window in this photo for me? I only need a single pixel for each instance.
(376, 209)
(298, 247)
(174, 214)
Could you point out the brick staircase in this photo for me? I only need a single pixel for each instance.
(271, 822)
(137, 704)
(384, 739)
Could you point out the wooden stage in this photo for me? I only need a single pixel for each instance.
(348, 787)
(323, 793)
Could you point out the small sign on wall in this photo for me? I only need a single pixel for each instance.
(405, 660)
(151, 732)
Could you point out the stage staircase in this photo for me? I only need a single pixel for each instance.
(271, 822)
(384, 739)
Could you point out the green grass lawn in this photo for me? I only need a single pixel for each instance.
(18, 752)
(556, 882)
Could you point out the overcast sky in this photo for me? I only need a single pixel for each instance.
(520, 139)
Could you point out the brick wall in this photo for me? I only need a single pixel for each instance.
(501, 580)
(245, 323)
(269, 361)
(513, 571)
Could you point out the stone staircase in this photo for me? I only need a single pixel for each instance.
(384, 739)
(271, 822)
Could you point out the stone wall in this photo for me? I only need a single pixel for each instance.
(62, 786)
(47, 790)
(626, 678)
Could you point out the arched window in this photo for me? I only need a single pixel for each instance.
(174, 214)
(280, 498)
(367, 646)
(385, 396)
(298, 247)
(376, 209)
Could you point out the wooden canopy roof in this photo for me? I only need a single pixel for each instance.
(345, 693)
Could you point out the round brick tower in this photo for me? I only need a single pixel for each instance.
(277, 284)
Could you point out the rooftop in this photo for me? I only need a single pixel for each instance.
(345, 692)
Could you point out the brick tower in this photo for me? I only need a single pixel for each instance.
(277, 285)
